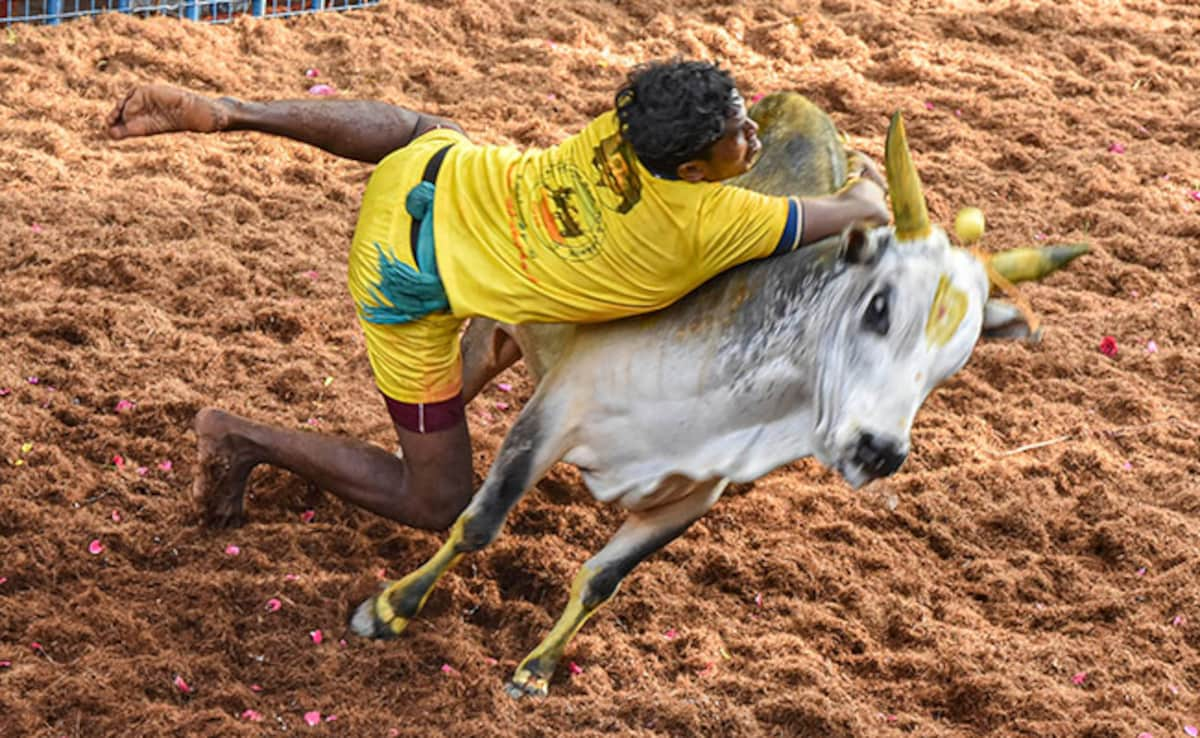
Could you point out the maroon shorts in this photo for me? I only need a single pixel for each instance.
(425, 417)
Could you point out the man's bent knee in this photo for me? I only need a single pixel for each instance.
(436, 449)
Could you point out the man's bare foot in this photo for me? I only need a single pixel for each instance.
(224, 463)
(154, 109)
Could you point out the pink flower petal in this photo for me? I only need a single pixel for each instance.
(575, 668)
(5, 664)
(32, 380)
(232, 550)
(1195, 195)
(182, 685)
(504, 387)
(1127, 466)
(1191, 730)
(758, 599)
(312, 274)
(274, 604)
(5, 391)
(255, 687)
(123, 405)
(1141, 572)
(449, 670)
(307, 516)
(491, 661)
(330, 718)
(1116, 148)
(1079, 678)
(501, 405)
(342, 643)
(118, 460)
(35, 228)
(3, 580)
(671, 634)
(1144, 734)
(312, 718)
(95, 546)
(321, 90)
(253, 716)
(291, 577)
(316, 635)
(1177, 620)
(165, 465)
(1108, 346)
(35, 646)
(929, 106)
(116, 516)
(1151, 347)
(757, 96)
(142, 471)
(311, 73)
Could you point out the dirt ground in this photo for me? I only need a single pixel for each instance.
(990, 588)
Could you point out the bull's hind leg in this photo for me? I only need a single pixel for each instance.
(642, 534)
(522, 460)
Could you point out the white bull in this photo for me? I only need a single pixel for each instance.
(828, 351)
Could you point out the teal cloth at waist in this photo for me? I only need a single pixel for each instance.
(412, 293)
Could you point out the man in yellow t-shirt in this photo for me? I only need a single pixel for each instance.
(623, 218)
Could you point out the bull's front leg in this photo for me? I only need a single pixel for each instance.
(640, 535)
(521, 461)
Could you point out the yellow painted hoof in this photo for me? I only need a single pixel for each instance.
(527, 684)
(374, 618)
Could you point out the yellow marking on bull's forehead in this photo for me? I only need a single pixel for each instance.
(949, 307)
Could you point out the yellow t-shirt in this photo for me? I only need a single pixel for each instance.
(582, 232)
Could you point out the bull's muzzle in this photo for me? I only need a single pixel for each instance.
(879, 456)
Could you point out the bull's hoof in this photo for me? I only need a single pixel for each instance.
(527, 684)
(367, 621)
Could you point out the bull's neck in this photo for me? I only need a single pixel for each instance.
(781, 303)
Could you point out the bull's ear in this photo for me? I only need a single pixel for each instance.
(861, 248)
(1006, 321)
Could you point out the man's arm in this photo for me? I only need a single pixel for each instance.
(862, 201)
(364, 130)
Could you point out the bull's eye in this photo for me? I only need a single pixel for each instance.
(875, 319)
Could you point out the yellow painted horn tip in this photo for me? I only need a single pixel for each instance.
(969, 225)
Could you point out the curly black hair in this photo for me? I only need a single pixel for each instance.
(674, 111)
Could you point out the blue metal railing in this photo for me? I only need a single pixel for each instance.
(208, 11)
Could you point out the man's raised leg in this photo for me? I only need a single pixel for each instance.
(364, 130)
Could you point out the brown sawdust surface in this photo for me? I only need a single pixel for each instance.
(183, 271)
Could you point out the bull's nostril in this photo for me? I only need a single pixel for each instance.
(878, 456)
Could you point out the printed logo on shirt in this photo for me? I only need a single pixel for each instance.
(557, 209)
(621, 186)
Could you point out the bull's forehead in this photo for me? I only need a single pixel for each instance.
(947, 288)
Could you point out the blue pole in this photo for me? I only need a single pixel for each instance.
(257, 7)
(54, 12)
(122, 6)
(191, 10)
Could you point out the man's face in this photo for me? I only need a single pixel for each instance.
(735, 152)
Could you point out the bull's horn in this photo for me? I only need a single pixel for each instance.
(904, 186)
(1025, 264)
